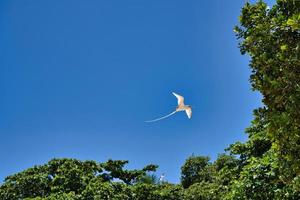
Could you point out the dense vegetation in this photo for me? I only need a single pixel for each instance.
(267, 166)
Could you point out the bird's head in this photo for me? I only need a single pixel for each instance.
(191, 106)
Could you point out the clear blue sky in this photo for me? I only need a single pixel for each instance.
(78, 79)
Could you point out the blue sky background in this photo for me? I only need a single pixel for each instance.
(78, 79)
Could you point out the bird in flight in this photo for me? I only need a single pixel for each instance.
(181, 107)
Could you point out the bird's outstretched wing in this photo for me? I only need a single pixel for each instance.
(179, 98)
(189, 112)
(154, 120)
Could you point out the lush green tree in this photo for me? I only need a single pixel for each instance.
(195, 169)
(226, 170)
(148, 179)
(202, 191)
(205, 180)
(270, 164)
(30, 183)
(57, 196)
(71, 175)
(115, 170)
(272, 39)
(168, 191)
(106, 191)
(71, 178)
(142, 191)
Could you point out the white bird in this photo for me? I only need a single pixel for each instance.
(181, 107)
(162, 178)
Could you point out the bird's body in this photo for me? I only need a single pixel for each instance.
(181, 107)
(185, 108)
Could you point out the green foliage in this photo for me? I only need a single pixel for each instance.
(195, 169)
(106, 191)
(73, 179)
(32, 182)
(270, 164)
(142, 191)
(115, 169)
(148, 179)
(70, 175)
(202, 191)
(57, 196)
(205, 180)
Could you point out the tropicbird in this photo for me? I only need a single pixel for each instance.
(161, 178)
(181, 107)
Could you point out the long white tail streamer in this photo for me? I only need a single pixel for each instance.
(154, 120)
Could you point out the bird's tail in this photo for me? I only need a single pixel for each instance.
(154, 120)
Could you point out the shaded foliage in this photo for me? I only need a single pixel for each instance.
(195, 169)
